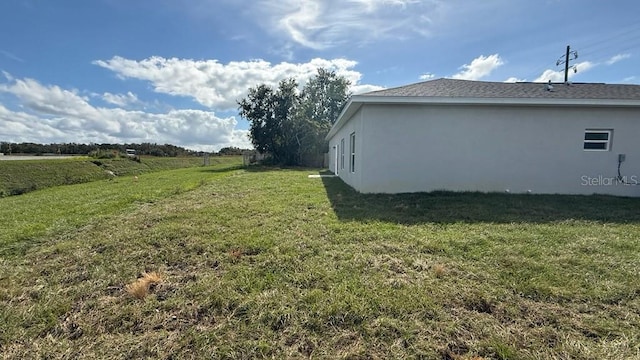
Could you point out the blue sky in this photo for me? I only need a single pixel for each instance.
(169, 71)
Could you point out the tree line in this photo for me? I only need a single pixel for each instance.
(151, 149)
(290, 124)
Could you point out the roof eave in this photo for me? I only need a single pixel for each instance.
(352, 106)
(436, 100)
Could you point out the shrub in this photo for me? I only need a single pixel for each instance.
(106, 154)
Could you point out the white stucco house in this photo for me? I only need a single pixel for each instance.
(460, 135)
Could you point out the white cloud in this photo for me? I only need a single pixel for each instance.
(320, 24)
(304, 17)
(53, 114)
(514, 79)
(479, 67)
(558, 76)
(7, 76)
(122, 100)
(51, 100)
(23, 127)
(11, 56)
(219, 86)
(427, 76)
(617, 58)
(361, 89)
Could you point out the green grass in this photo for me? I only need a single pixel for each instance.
(266, 263)
(19, 177)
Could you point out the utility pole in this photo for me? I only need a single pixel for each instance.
(566, 65)
(565, 60)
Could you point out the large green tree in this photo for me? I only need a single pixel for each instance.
(323, 97)
(271, 113)
(291, 125)
(321, 101)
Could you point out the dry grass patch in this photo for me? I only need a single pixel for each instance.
(143, 285)
(439, 269)
(236, 254)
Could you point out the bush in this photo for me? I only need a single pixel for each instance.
(105, 154)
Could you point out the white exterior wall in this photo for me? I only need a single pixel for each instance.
(412, 148)
(354, 125)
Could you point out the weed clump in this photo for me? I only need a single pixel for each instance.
(440, 270)
(143, 285)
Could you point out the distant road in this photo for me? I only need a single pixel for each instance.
(45, 157)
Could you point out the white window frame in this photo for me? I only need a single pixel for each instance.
(607, 142)
(342, 154)
(352, 148)
(337, 164)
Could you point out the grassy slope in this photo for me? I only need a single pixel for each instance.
(18, 177)
(272, 264)
(123, 167)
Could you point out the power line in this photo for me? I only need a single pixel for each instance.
(623, 37)
(624, 40)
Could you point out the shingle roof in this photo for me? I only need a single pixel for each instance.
(467, 92)
(482, 89)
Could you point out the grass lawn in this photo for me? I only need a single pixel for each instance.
(19, 177)
(267, 263)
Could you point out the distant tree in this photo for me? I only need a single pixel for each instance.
(291, 125)
(5, 147)
(231, 150)
(84, 149)
(157, 152)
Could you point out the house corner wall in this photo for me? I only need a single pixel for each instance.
(353, 125)
(413, 148)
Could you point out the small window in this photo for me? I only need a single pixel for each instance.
(342, 154)
(352, 146)
(597, 140)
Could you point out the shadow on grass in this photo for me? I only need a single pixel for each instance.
(475, 207)
(221, 169)
(250, 168)
(257, 168)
